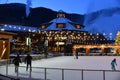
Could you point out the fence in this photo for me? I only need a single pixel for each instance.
(44, 73)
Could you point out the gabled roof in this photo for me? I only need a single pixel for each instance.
(61, 20)
(66, 21)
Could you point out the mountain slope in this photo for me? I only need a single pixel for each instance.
(103, 21)
(14, 13)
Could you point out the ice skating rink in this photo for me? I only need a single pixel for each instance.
(68, 62)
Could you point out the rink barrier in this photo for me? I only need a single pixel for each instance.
(4, 77)
(6, 64)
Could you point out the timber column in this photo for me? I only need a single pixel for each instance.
(87, 51)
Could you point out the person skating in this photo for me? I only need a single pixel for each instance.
(113, 64)
(16, 62)
(28, 60)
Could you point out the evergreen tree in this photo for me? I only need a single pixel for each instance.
(117, 42)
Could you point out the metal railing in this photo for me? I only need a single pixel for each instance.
(63, 73)
(4, 77)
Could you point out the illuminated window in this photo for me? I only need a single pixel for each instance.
(60, 25)
(78, 26)
(60, 15)
(43, 26)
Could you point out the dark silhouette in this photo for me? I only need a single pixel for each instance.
(76, 54)
(45, 48)
(28, 60)
(17, 15)
(113, 63)
(16, 62)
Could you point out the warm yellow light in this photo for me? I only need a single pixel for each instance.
(60, 43)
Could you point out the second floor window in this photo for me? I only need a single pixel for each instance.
(60, 25)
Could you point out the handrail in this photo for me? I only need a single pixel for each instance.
(82, 72)
(75, 69)
(11, 78)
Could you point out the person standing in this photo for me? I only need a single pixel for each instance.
(28, 60)
(76, 54)
(45, 48)
(16, 62)
(113, 64)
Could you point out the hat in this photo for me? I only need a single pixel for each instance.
(114, 58)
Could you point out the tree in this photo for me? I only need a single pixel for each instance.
(117, 42)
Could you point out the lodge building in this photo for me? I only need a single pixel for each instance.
(60, 33)
(63, 33)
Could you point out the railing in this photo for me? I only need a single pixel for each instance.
(4, 77)
(44, 73)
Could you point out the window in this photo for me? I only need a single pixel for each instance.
(43, 27)
(60, 25)
(78, 26)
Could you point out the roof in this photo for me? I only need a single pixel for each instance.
(19, 28)
(66, 21)
(6, 35)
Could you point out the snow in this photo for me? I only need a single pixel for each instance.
(68, 26)
(68, 62)
(103, 23)
(19, 28)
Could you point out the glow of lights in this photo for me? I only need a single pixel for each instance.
(2, 29)
(104, 34)
(60, 43)
(102, 46)
(34, 31)
(24, 28)
(39, 31)
(14, 27)
(84, 33)
(10, 26)
(29, 30)
(97, 33)
(5, 25)
(19, 28)
(110, 33)
(33, 34)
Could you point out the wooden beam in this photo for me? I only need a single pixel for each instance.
(6, 36)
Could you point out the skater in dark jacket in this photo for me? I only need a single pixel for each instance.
(16, 62)
(28, 60)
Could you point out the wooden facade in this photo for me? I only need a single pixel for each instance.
(5, 44)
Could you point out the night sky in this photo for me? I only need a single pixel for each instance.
(70, 6)
(109, 24)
